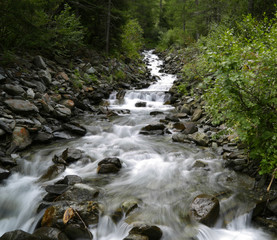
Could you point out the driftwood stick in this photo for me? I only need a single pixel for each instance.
(272, 179)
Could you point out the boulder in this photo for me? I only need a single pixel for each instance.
(109, 165)
(180, 137)
(272, 206)
(136, 237)
(57, 189)
(47, 233)
(68, 103)
(20, 139)
(140, 104)
(71, 155)
(190, 128)
(5, 127)
(205, 209)
(199, 138)
(21, 106)
(75, 128)
(14, 90)
(149, 231)
(129, 205)
(18, 235)
(77, 232)
(153, 129)
(53, 216)
(179, 126)
(70, 180)
(62, 112)
(42, 137)
(196, 115)
(39, 62)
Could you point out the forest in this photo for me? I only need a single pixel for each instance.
(231, 45)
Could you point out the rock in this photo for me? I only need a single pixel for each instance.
(5, 127)
(21, 106)
(153, 129)
(196, 115)
(77, 232)
(7, 162)
(140, 104)
(62, 112)
(18, 235)
(91, 70)
(20, 139)
(199, 138)
(199, 164)
(43, 137)
(272, 206)
(152, 232)
(129, 205)
(79, 192)
(47, 233)
(53, 171)
(205, 209)
(68, 103)
(30, 93)
(39, 62)
(180, 137)
(121, 94)
(70, 180)
(14, 90)
(75, 128)
(57, 189)
(62, 135)
(172, 118)
(155, 113)
(71, 155)
(190, 128)
(136, 237)
(88, 210)
(109, 165)
(185, 109)
(179, 126)
(4, 174)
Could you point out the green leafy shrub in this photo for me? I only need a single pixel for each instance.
(241, 87)
(132, 39)
(175, 36)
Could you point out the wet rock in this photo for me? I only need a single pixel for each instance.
(199, 164)
(136, 237)
(53, 171)
(180, 137)
(75, 128)
(155, 113)
(179, 126)
(18, 235)
(79, 192)
(47, 233)
(172, 118)
(149, 231)
(43, 137)
(269, 224)
(196, 115)
(7, 162)
(109, 165)
(62, 135)
(21, 106)
(20, 139)
(39, 62)
(77, 232)
(120, 95)
(140, 104)
(199, 138)
(71, 155)
(14, 90)
(129, 205)
(70, 180)
(205, 209)
(4, 174)
(185, 109)
(190, 128)
(57, 189)
(272, 206)
(153, 129)
(88, 210)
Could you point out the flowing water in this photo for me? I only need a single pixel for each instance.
(157, 171)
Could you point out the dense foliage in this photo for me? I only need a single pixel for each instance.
(238, 69)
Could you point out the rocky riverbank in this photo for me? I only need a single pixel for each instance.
(40, 98)
(191, 123)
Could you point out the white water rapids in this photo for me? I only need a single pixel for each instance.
(155, 170)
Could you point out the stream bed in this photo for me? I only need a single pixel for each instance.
(160, 174)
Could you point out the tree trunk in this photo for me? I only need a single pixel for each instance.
(108, 27)
(161, 9)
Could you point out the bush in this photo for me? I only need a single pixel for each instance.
(132, 39)
(242, 88)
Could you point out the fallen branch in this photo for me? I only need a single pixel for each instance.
(272, 179)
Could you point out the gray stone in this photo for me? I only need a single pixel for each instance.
(43, 137)
(129, 205)
(70, 180)
(14, 90)
(150, 231)
(18, 235)
(196, 115)
(62, 112)
(140, 104)
(190, 128)
(91, 70)
(2, 132)
(30, 93)
(21, 106)
(199, 138)
(56, 188)
(71, 155)
(39, 62)
(5, 127)
(180, 137)
(45, 76)
(74, 128)
(20, 139)
(136, 237)
(47, 233)
(205, 209)
(109, 165)
(185, 109)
